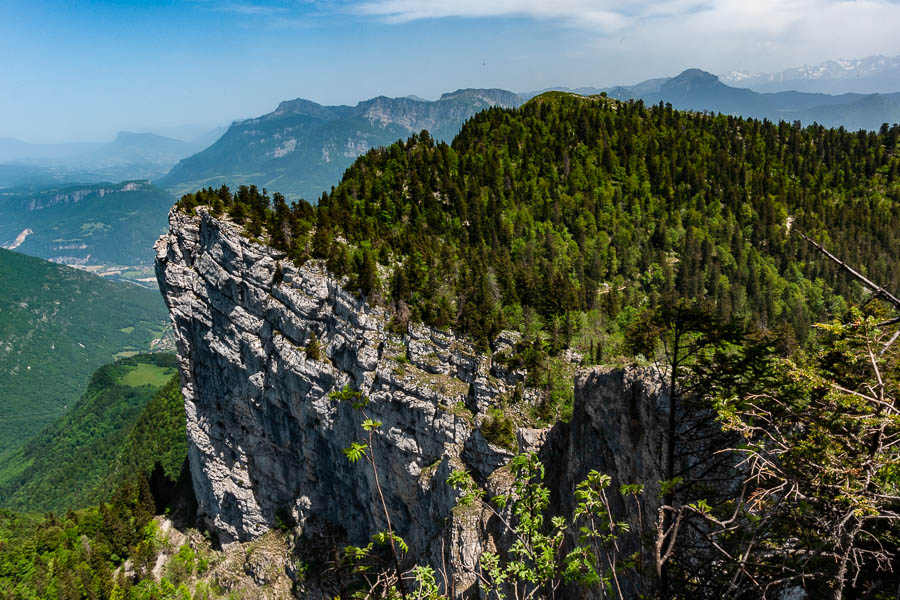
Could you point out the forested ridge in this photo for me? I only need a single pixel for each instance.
(570, 205)
(75, 554)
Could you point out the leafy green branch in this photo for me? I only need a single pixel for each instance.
(536, 564)
(366, 450)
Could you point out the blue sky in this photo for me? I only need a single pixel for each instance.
(83, 70)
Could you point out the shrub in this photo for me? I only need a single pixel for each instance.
(313, 348)
(499, 429)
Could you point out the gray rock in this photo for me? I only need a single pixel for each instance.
(265, 436)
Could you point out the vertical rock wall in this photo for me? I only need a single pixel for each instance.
(266, 440)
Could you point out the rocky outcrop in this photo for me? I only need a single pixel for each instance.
(617, 428)
(266, 436)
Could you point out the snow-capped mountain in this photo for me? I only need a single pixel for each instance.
(873, 74)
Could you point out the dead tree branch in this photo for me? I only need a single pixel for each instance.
(877, 290)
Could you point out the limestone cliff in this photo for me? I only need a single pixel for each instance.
(266, 439)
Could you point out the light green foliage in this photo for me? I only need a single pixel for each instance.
(384, 539)
(535, 553)
(537, 563)
(181, 565)
(348, 394)
(74, 557)
(150, 374)
(355, 451)
(58, 325)
(426, 584)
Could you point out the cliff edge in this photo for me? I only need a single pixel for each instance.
(266, 436)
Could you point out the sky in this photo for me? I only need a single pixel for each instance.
(84, 70)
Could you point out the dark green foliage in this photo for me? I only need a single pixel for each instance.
(158, 437)
(499, 430)
(571, 204)
(125, 423)
(313, 348)
(823, 466)
(58, 325)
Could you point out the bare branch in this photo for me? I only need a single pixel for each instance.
(877, 290)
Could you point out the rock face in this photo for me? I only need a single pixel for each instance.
(617, 428)
(266, 438)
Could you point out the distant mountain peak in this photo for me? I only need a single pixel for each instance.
(288, 151)
(694, 76)
(489, 95)
(131, 137)
(297, 105)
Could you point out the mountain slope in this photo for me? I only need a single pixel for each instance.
(570, 220)
(98, 225)
(57, 325)
(95, 446)
(302, 148)
(694, 89)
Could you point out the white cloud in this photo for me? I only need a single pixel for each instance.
(592, 14)
(714, 34)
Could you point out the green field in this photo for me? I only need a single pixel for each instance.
(147, 374)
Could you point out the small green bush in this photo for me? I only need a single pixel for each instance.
(313, 348)
(499, 430)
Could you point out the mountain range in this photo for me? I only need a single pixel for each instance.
(873, 74)
(302, 148)
(694, 89)
(105, 227)
(478, 278)
(129, 156)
